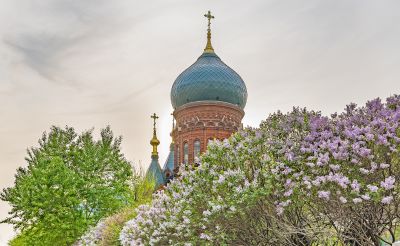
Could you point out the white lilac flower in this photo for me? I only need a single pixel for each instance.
(334, 167)
(384, 165)
(324, 194)
(279, 210)
(206, 213)
(205, 236)
(310, 164)
(387, 199)
(365, 197)
(364, 171)
(186, 220)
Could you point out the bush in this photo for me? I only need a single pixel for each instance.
(299, 179)
(70, 182)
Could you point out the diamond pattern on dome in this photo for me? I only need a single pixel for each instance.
(208, 78)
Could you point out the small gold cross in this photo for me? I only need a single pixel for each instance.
(209, 17)
(154, 117)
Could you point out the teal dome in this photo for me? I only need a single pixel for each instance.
(208, 79)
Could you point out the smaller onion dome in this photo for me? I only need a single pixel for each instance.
(154, 141)
(154, 171)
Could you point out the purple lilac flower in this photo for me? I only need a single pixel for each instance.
(287, 170)
(288, 182)
(369, 136)
(364, 152)
(388, 184)
(324, 194)
(382, 140)
(341, 180)
(372, 188)
(334, 167)
(288, 193)
(355, 186)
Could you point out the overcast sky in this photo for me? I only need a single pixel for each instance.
(92, 63)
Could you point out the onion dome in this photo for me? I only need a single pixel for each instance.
(209, 79)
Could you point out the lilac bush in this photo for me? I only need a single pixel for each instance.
(195, 207)
(350, 163)
(298, 179)
(188, 210)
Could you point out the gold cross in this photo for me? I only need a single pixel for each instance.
(209, 17)
(154, 117)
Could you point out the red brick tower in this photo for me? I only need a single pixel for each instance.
(208, 100)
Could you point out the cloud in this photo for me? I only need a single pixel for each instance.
(49, 31)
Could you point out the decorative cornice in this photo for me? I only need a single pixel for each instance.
(208, 103)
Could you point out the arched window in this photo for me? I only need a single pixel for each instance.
(185, 153)
(196, 149)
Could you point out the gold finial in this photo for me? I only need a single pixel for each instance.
(209, 48)
(154, 141)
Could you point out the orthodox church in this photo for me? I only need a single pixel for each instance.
(208, 100)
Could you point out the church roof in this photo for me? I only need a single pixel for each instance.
(169, 163)
(209, 79)
(155, 172)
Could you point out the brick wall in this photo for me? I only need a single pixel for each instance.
(203, 121)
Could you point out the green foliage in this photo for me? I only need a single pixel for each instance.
(70, 182)
(19, 240)
(107, 231)
(142, 189)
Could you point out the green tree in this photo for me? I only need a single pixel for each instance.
(70, 182)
